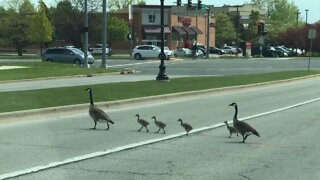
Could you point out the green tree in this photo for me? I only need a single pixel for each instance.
(42, 29)
(250, 33)
(68, 23)
(117, 29)
(16, 25)
(123, 4)
(225, 32)
(281, 16)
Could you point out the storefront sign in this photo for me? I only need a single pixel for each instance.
(185, 20)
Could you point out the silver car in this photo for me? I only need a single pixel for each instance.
(66, 55)
(148, 51)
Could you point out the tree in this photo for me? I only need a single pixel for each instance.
(250, 33)
(117, 29)
(16, 25)
(281, 16)
(123, 4)
(225, 32)
(41, 29)
(68, 23)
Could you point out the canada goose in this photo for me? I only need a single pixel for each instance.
(96, 113)
(186, 126)
(242, 127)
(142, 122)
(159, 124)
(231, 129)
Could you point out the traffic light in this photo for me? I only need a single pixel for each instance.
(199, 4)
(189, 3)
(178, 2)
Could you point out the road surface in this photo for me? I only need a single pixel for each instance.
(286, 115)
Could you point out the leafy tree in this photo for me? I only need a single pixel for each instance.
(117, 29)
(68, 23)
(123, 4)
(281, 16)
(250, 33)
(41, 29)
(225, 32)
(92, 5)
(16, 25)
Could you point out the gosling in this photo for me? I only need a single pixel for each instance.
(231, 129)
(143, 123)
(185, 126)
(159, 124)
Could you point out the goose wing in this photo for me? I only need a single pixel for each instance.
(245, 128)
(100, 114)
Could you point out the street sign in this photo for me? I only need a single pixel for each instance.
(312, 34)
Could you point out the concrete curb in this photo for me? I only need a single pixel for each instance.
(62, 110)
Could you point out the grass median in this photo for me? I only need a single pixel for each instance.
(47, 69)
(34, 99)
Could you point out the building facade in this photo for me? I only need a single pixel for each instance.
(182, 26)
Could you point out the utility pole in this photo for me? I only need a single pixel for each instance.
(104, 34)
(85, 34)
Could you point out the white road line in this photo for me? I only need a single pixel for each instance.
(138, 144)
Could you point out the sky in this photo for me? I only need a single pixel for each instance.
(312, 5)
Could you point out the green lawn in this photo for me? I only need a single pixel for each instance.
(47, 69)
(33, 99)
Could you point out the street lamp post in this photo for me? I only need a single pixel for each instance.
(162, 76)
(307, 15)
(297, 16)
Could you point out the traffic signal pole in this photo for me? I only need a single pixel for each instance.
(208, 32)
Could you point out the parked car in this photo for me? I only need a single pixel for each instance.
(215, 50)
(97, 49)
(66, 55)
(267, 51)
(229, 49)
(285, 52)
(186, 52)
(148, 51)
(168, 51)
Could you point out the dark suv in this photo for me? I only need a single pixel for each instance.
(66, 55)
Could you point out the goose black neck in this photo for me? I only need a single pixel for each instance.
(91, 99)
(235, 117)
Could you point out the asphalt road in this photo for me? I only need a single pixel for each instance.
(286, 116)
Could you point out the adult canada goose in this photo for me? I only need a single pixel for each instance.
(186, 126)
(231, 129)
(242, 127)
(159, 124)
(142, 122)
(96, 113)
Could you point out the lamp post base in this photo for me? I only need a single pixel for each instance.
(162, 76)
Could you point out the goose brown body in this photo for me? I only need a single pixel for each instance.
(231, 129)
(242, 127)
(159, 124)
(186, 127)
(142, 122)
(96, 113)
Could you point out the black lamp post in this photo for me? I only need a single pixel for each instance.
(162, 76)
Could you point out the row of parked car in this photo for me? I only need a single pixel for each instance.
(151, 51)
(275, 51)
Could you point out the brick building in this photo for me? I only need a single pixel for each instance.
(181, 26)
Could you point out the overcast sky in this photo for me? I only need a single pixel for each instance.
(312, 5)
